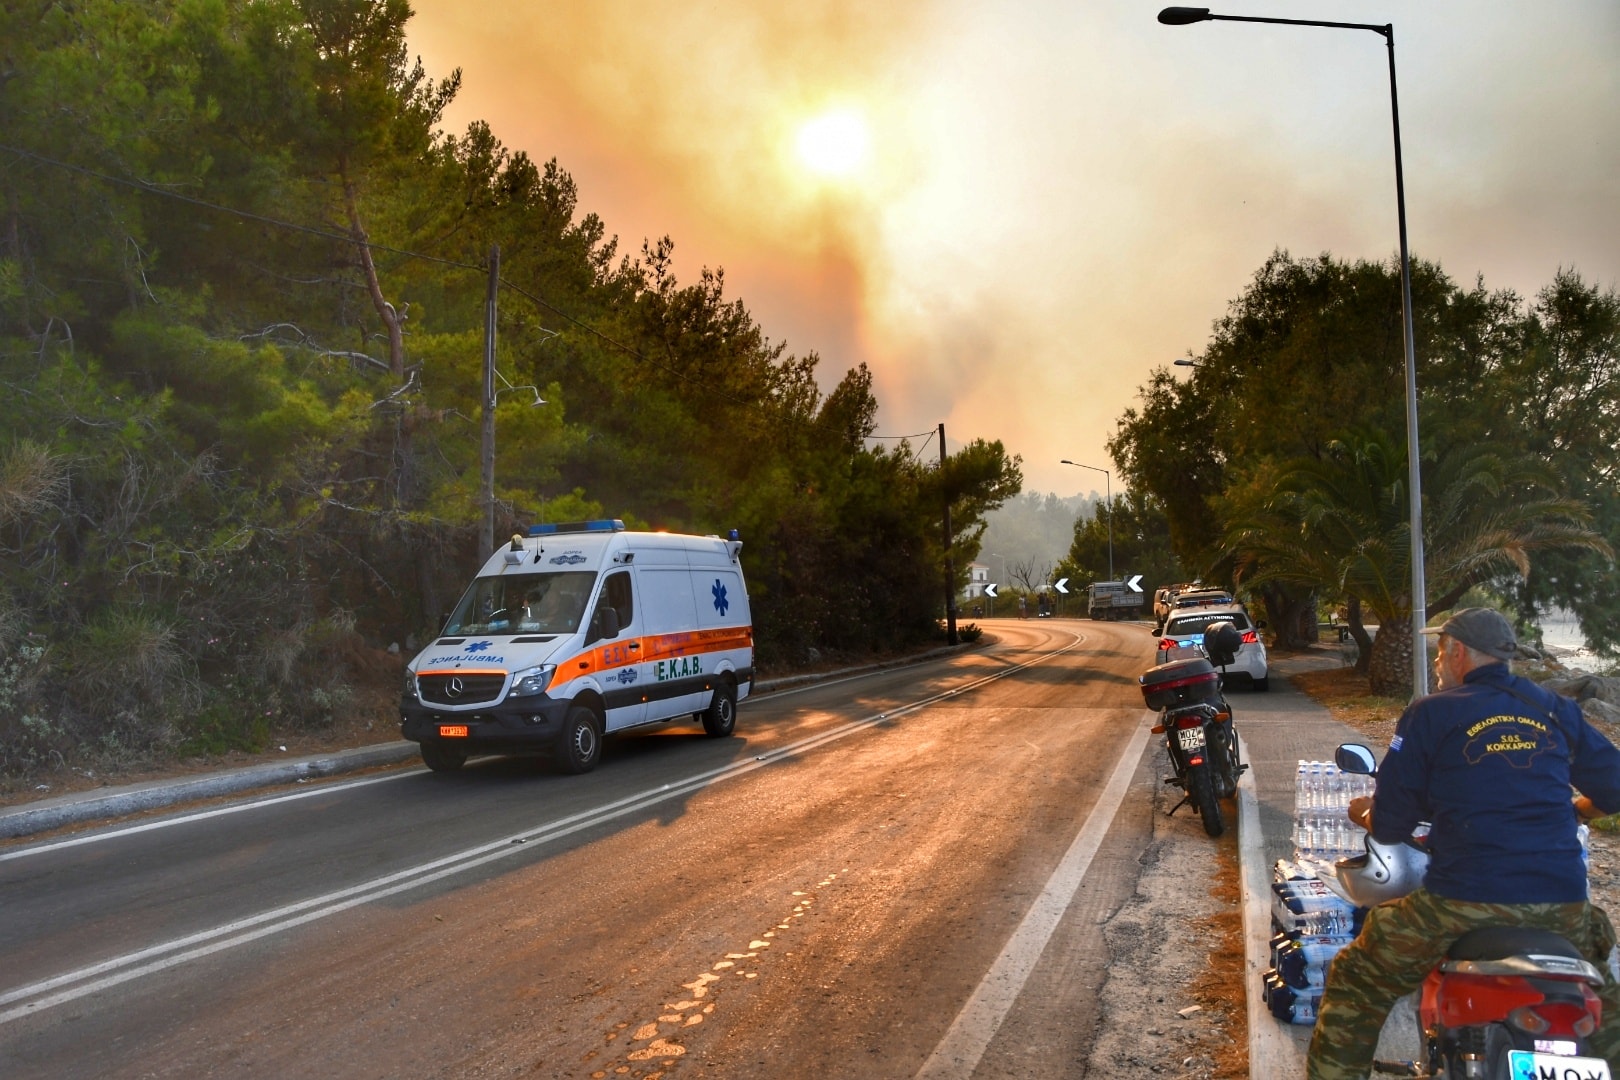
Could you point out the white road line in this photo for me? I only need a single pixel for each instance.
(324, 789)
(72, 985)
(201, 815)
(958, 1053)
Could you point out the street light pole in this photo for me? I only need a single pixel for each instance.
(1108, 493)
(486, 536)
(1182, 16)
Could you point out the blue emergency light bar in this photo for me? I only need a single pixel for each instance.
(598, 525)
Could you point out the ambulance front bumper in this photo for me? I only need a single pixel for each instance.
(515, 726)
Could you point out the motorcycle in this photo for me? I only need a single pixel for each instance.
(1506, 1002)
(1196, 722)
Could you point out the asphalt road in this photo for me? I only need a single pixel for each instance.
(896, 874)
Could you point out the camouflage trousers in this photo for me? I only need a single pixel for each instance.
(1399, 945)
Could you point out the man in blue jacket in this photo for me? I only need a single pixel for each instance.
(1489, 760)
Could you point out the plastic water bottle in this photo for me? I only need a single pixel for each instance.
(1584, 834)
(1287, 1004)
(1334, 785)
(1333, 923)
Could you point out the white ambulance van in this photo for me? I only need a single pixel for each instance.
(578, 630)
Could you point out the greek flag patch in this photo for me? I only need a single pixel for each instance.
(1395, 742)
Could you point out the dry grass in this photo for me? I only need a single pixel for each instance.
(1212, 989)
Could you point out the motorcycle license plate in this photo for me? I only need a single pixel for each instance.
(1192, 738)
(1524, 1065)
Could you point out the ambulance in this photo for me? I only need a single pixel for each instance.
(579, 630)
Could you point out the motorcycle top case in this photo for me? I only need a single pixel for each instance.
(1181, 682)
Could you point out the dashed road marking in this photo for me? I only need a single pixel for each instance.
(660, 1034)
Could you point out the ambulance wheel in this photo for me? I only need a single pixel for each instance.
(720, 719)
(441, 758)
(581, 745)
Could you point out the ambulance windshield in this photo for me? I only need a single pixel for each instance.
(523, 604)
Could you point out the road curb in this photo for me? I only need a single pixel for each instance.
(80, 807)
(116, 802)
(1272, 1053)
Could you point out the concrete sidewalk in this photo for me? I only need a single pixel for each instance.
(1279, 729)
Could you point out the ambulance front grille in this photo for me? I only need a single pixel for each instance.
(453, 689)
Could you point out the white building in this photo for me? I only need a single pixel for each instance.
(978, 578)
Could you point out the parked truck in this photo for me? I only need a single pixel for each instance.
(1114, 600)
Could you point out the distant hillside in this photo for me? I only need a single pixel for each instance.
(1032, 527)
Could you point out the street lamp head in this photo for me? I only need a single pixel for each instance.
(1181, 16)
(1184, 362)
(1065, 461)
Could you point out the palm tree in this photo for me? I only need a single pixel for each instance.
(1340, 522)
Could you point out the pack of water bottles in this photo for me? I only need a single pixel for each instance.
(1301, 902)
(1322, 827)
(1312, 921)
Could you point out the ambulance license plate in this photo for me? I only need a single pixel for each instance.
(452, 731)
(1192, 738)
(1524, 1065)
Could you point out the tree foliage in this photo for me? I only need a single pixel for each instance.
(242, 290)
(1282, 466)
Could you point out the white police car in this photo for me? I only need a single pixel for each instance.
(1184, 629)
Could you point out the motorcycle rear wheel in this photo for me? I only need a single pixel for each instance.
(1201, 789)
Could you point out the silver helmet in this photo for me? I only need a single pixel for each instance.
(1385, 872)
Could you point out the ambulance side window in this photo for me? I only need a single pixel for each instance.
(616, 594)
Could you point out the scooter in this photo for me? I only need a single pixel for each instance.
(1196, 722)
(1506, 1003)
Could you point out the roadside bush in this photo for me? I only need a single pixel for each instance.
(305, 675)
(127, 658)
(223, 724)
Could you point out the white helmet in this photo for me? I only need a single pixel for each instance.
(1385, 872)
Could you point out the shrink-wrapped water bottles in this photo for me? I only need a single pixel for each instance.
(1322, 794)
(1312, 921)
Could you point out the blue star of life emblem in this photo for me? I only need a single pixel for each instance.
(720, 601)
(478, 646)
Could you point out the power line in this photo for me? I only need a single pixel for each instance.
(560, 313)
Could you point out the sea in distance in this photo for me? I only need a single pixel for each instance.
(1561, 637)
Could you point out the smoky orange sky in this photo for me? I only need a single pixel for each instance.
(1055, 197)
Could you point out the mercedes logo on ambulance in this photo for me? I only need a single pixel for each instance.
(455, 688)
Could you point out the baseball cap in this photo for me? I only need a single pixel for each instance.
(1482, 629)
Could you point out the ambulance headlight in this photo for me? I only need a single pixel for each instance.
(409, 689)
(531, 681)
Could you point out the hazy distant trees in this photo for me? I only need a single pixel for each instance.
(1140, 543)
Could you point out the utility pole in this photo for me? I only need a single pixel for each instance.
(486, 541)
(950, 566)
